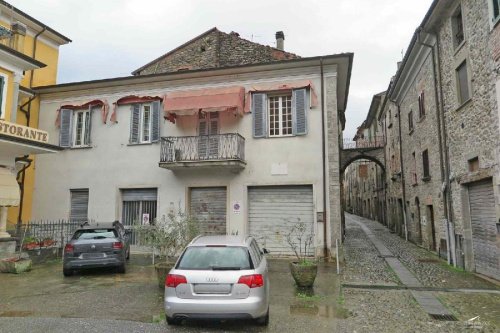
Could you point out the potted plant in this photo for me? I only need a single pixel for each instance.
(30, 243)
(167, 236)
(300, 239)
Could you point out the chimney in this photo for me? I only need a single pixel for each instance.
(399, 64)
(280, 40)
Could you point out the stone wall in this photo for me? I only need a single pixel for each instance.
(215, 49)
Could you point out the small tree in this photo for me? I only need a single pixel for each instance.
(300, 240)
(168, 235)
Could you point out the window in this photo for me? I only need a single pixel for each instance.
(279, 115)
(410, 121)
(496, 9)
(414, 170)
(457, 28)
(425, 165)
(463, 83)
(79, 205)
(75, 128)
(145, 123)
(474, 164)
(421, 105)
(81, 130)
(3, 97)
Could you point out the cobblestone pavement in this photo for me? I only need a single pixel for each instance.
(375, 310)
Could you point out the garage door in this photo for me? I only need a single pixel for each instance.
(208, 207)
(273, 210)
(484, 229)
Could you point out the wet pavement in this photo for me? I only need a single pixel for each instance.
(35, 301)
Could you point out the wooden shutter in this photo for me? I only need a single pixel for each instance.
(259, 114)
(88, 128)
(299, 109)
(135, 113)
(155, 118)
(65, 130)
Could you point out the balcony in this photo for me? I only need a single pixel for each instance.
(225, 151)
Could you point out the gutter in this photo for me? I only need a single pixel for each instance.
(21, 174)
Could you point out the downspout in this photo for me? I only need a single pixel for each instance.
(21, 174)
(402, 170)
(323, 149)
(443, 151)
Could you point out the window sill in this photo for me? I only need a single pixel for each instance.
(141, 144)
(426, 179)
(494, 22)
(464, 104)
(421, 119)
(414, 184)
(389, 126)
(81, 147)
(411, 131)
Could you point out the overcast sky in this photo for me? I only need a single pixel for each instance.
(114, 37)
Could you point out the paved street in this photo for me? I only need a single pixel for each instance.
(372, 297)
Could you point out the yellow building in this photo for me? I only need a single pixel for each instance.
(29, 53)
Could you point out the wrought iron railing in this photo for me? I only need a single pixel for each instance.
(374, 142)
(229, 146)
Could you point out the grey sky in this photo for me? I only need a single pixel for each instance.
(113, 37)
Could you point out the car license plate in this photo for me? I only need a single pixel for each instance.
(92, 255)
(212, 288)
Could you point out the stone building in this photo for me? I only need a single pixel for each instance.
(442, 115)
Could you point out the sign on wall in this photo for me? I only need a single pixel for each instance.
(236, 207)
(20, 131)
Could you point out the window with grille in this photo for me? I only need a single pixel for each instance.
(280, 115)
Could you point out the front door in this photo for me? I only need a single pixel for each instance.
(208, 140)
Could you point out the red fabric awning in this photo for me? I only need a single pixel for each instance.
(131, 99)
(190, 102)
(96, 102)
(269, 87)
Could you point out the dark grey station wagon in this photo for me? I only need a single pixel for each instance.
(97, 245)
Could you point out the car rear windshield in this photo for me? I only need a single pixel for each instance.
(95, 234)
(215, 258)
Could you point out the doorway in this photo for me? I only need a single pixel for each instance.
(431, 228)
(208, 139)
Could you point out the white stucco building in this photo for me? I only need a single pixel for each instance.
(247, 149)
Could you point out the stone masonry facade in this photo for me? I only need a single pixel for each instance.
(214, 49)
(445, 121)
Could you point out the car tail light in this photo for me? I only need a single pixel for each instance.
(173, 280)
(69, 248)
(252, 281)
(117, 245)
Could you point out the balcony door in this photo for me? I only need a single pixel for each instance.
(208, 141)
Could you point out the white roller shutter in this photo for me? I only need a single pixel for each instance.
(273, 210)
(484, 229)
(208, 207)
(79, 205)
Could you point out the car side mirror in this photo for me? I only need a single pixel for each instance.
(265, 251)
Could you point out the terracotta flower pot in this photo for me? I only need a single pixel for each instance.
(304, 275)
(162, 270)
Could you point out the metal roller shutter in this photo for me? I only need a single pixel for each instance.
(274, 209)
(484, 230)
(208, 206)
(79, 205)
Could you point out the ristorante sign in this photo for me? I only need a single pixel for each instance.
(24, 132)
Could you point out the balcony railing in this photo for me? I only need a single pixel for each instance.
(375, 142)
(203, 148)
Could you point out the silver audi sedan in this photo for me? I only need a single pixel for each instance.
(219, 277)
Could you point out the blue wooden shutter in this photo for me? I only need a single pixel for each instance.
(65, 130)
(259, 114)
(155, 125)
(135, 113)
(299, 111)
(88, 129)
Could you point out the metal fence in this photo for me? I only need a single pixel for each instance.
(49, 233)
(229, 146)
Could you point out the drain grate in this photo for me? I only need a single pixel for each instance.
(443, 317)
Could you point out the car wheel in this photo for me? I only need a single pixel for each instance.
(121, 269)
(172, 321)
(67, 272)
(263, 321)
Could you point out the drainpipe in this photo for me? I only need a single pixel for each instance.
(21, 174)
(402, 170)
(443, 150)
(323, 149)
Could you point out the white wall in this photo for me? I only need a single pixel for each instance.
(111, 164)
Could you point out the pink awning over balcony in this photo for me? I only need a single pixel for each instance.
(190, 102)
(280, 86)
